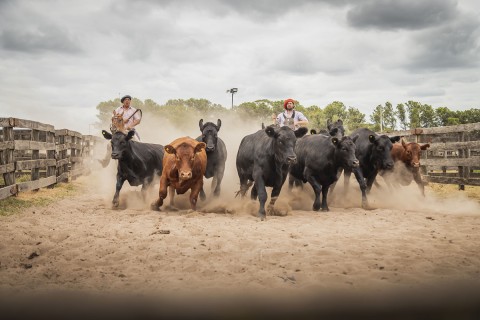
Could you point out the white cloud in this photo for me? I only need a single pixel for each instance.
(62, 58)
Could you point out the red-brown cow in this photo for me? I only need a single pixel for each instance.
(409, 155)
(184, 163)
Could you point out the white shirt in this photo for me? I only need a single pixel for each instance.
(127, 113)
(296, 115)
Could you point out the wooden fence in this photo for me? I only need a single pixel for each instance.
(34, 155)
(454, 153)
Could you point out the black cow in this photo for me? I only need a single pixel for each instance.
(263, 159)
(319, 158)
(138, 162)
(373, 152)
(216, 155)
(334, 129)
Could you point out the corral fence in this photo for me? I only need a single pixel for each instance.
(34, 155)
(454, 153)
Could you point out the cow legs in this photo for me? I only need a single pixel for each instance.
(162, 194)
(363, 186)
(317, 188)
(324, 198)
(194, 193)
(254, 193)
(418, 179)
(203, 196)
(370, 181)
(217, 179)
(262, 194)
(118, 187)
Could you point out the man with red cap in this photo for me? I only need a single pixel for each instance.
(290, 117)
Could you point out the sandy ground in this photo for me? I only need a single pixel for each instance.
(83, 244)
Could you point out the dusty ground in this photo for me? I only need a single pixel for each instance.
(79, 243)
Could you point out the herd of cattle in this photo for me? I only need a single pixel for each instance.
(264, 159)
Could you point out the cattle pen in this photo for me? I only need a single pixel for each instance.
(35, 155)
(454, 153)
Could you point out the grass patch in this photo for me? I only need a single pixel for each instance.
(40, 198)
(451, 190)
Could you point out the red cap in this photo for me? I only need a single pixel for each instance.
(287, 101)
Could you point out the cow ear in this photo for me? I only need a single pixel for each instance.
(169, 149)
(425, 146)
(300, 132)
(200, 124)
(313, 131)
(371, 138)
(394, 139)
(270, 131)
(403, 143)
(335, 141)
(106, 135)
(200, 146)
(340, 122)
(355, 137)
(219, 124)
(130, 134)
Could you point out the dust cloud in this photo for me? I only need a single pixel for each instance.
(161, 131)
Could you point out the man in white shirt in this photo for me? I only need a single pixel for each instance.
(290, 117)
(130, 115)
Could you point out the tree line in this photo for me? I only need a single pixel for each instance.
(385, 117)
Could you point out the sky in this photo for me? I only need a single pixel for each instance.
(60, 59)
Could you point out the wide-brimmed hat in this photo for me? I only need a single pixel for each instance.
(125, 97)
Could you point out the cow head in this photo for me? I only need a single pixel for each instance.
(284, 140)
(411, 153)
(118, 124)
(185, 154)
(209, 134)
(381, 150)
(120, 143)
(335, 129)
(345, 152)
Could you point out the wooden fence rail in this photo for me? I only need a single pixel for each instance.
(34, 155)
(454, 153)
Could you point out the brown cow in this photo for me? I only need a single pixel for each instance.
(184, 163)
(409, 155)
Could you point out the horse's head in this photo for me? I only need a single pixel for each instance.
(117, 122)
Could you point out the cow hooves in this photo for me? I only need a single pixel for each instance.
(154, 207)
(325, 209)
(115, 204)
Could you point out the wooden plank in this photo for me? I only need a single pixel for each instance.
(63, 177)
(62, 162)
(452, 162)
(453, 146)
(452, 180)
(37, 184)
(30, 164)
(22, 123)
(33, 145)
(76, 159)
(8, 191)
(61, 132)
(7, 122)
(9, 167)
(61, 147)
(7, 145)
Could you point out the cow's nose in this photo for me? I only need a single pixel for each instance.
(292, 159)
(389, 165)
(114, 155)
(185, 175)
(416, 164)
(210, 148)
(356, 163)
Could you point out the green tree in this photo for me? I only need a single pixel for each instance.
(389, 117)
(377, 119)
(354, 119)
(427, 116)
(335, 110)
(413, 109)
(442, 114)
(402, 116)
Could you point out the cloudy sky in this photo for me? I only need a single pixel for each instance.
(59, 59)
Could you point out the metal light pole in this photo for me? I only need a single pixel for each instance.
(232, 91)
